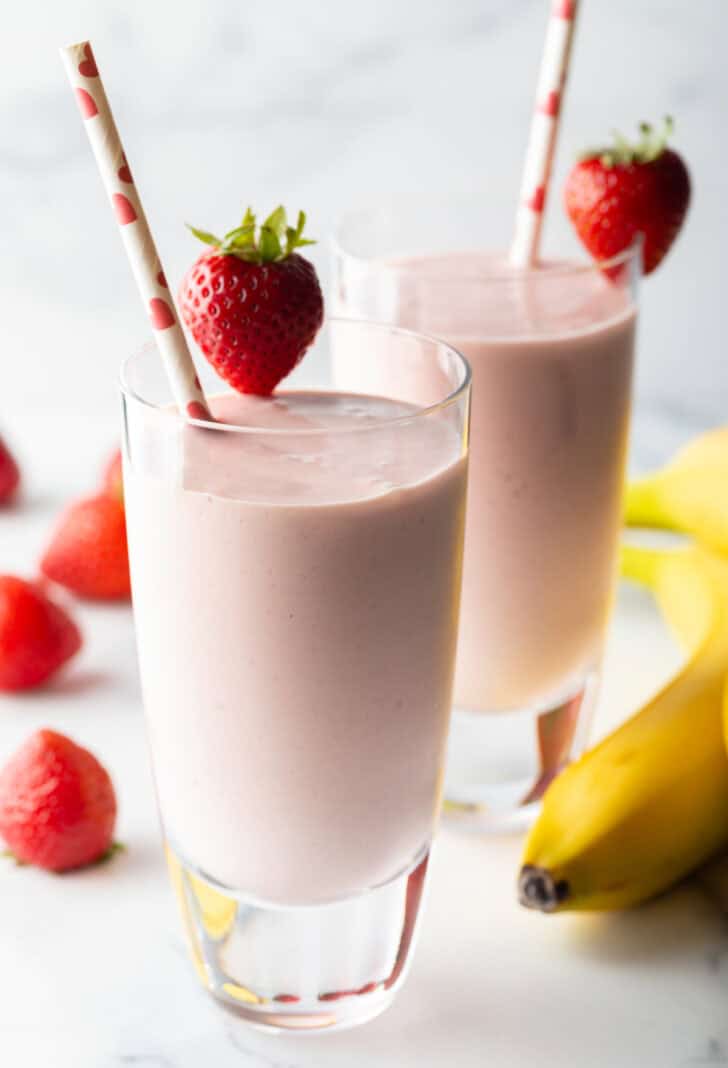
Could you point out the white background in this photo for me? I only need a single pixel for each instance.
(325, 104)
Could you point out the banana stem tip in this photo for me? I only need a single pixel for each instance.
(537, 889)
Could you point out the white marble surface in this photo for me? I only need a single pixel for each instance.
(324, 104)
(94, 974)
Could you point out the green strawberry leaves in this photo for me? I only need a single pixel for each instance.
(272, 242)
(7, 854)
(114, 848)
(651, 145)
(294, 238)
(202, 235)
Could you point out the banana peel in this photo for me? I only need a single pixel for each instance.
(648, 804)
(689, 495)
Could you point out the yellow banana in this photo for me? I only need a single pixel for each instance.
(650, 802)
(684, 609)
(689, 495)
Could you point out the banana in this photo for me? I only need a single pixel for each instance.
(689, 495)
(650, 802)
(683, 614)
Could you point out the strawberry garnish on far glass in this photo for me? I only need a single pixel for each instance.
(57, 804)
(9, 474)
(613, 194)
(252, 303)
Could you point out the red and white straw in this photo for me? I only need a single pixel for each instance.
(84, 77)
(544, 131)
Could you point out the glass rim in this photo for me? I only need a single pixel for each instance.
(420, 411)
(557, 269)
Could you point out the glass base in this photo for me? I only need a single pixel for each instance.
(301, 968)
(500, 763)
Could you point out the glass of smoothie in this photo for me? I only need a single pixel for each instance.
(551, 351)
(296, 571)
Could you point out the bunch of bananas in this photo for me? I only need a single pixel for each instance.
(650, 803)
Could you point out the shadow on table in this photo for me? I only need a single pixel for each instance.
(672, 927)
(75, 683)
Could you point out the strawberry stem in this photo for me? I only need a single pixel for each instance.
(274, 240)
(651, 144)
(9, 855)
(114, 848)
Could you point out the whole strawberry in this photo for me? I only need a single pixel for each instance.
(36, 635)
(9, 474)
(613, 194)
(252, 303)
(57, 804)
(88, 550)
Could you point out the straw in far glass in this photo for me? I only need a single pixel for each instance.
(543, 134)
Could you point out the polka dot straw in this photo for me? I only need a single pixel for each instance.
(544, 130)
(84, 77)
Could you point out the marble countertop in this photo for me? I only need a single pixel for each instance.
(94, 972)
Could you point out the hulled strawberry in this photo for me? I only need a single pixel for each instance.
(614, 194)
(252, 303)
(57, 804)
(87, 552)
(37, 636)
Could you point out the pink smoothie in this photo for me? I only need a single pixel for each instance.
(551, 358)
(296, 602)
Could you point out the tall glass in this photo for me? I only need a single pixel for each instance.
(296, 580)
(551, 352)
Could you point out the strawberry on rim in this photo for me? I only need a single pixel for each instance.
(252, 303)
(613, 194)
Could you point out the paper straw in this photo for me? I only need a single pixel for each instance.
(544, 130)
(86, 82)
